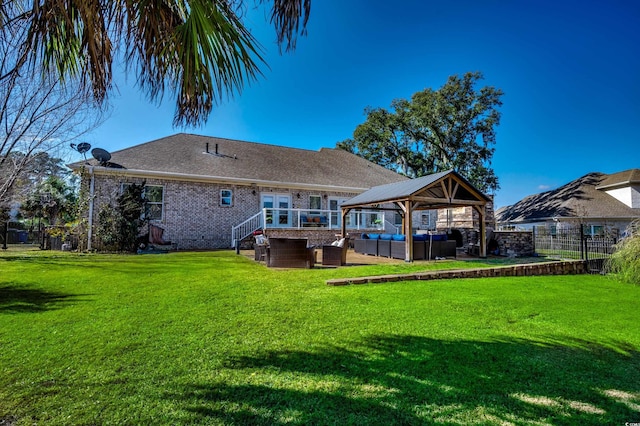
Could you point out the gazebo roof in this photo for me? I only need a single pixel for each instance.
(438, 190)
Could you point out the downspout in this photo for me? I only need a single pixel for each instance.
(91, 191)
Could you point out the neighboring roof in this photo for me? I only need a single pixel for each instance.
(184, 156)
(620, 179)
(579, 198)
(444, 189)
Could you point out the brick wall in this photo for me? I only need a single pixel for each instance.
(193, 217)
(316, 237)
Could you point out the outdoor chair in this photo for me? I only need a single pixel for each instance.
(156, 239)
(260, 247)
(336, 253)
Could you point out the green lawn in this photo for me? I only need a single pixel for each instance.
(215, 338)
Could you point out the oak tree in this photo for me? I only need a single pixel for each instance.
(453, 127)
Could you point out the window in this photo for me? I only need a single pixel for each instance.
(426, 220)
(154, 201)
(315, 203)
(397, 219)
(226, 198)
(154, 196)
(277, 206)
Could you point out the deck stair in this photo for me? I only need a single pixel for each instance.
(246, 228)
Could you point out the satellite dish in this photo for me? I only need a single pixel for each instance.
(101, 155)
(83, 147)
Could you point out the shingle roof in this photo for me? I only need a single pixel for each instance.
(579, 198)
(624, 178)
(185, 154)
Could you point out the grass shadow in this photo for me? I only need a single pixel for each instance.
(417, 380)
(20, 299)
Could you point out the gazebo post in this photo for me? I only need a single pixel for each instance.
(343, 224)
(408, 234)
(483, 230)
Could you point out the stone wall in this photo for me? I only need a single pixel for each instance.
(515, 243)
(466, 221)
(465, 218)
(547, 268)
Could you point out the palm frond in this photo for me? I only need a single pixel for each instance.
(290, 17)
(200, 49)
(69, 38)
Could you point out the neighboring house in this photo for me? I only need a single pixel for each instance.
(200, 189)
(604, 204)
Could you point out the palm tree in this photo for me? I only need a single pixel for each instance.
(199, 49)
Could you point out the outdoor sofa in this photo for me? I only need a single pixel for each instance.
(393, 245)
(289, 253)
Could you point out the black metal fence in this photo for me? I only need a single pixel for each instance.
(47, 238)
(573, 243)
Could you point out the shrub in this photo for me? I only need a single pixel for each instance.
(625, 261)
(119, 226)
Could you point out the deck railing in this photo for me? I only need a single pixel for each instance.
(246, 228)
(315, 218)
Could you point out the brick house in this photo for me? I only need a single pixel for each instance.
(201, 189)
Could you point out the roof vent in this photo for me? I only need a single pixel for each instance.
(217, 153)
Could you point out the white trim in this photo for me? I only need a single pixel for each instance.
(621, 184)
(187, 177)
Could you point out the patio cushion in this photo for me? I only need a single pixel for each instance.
(386, 237)
(374, 236)
(338, 243)
(398, 237)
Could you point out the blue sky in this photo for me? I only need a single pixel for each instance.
(570, 71)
